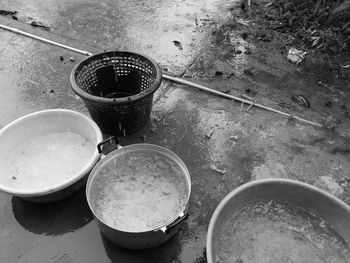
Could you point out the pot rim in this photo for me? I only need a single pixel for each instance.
(74, 178)
(137, 147)
(238, 190)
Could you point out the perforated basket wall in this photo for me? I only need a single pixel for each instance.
(120, 116)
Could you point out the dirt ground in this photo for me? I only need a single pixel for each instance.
(223, 144)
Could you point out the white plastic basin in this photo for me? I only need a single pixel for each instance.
(43, 123)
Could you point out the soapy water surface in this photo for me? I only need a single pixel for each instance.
(139, 191)
(45, 160)
(267, 232)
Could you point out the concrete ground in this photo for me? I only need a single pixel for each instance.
(222, 144)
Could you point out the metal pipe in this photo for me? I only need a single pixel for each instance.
(170, 77)
(201, 87)
(14, 30)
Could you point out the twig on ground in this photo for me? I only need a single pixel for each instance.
(251, 105)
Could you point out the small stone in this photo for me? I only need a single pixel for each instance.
(71, 59)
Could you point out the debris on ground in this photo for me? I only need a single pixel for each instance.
(25, 19)
(196, 21)
(178, 44)
(219, 73)
(39, 24)
(234, 137)
(296, 56)
(209, 134)
(49, 91)
(245, 6)
(31, 21)
(248, 52)
(301, 101)
(242, 22)
(216, 169)
(71, 59)
(7, 13)
(62, 58)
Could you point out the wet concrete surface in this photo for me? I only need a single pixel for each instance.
(149, 27)
(222, 144)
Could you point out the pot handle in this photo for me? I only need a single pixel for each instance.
(174, 224)
(109, 140)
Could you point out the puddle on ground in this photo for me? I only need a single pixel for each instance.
(149, 27)
(278, 232)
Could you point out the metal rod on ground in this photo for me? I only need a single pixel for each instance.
(201, 87)
(11, 29)
(170, 77)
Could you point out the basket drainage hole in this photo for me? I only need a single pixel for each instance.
(112, 85)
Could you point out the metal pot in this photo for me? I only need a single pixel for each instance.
(316, 201)
(139, 239)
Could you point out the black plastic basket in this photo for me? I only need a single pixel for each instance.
(117, 88)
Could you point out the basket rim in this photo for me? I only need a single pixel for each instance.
(86, 96)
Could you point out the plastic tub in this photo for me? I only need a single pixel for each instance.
(39, 124)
